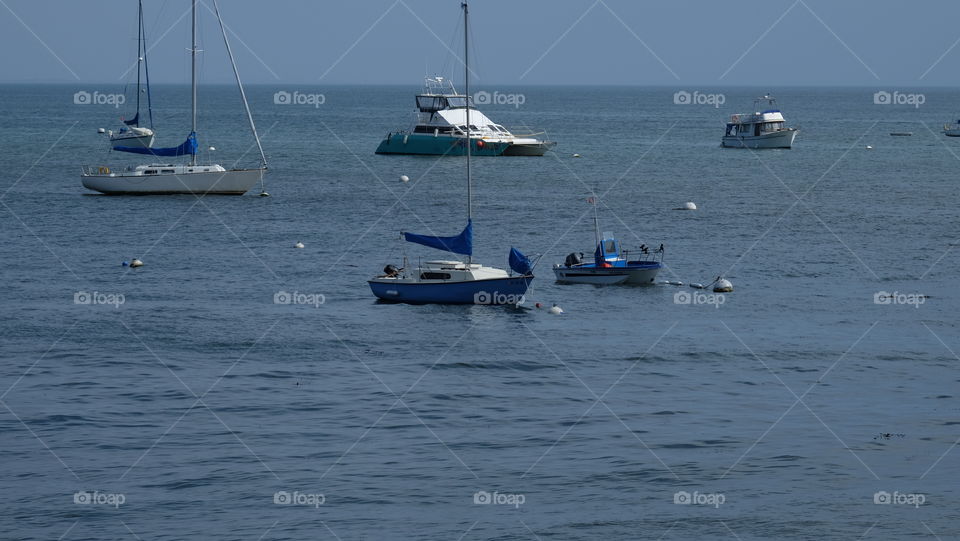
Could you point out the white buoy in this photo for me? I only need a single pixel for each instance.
(696, 286)
(298, 245)
(723, 286)
(555, 310)
(404, 178)
(136, 262)
(264, 194)
(101, 130)
(211, 149)
(869, 147)
(576, 155)
(689, 205)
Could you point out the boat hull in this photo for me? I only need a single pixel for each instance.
(780, 139)
(603, 276)
(132, 141)
(952, 132)
(233, 182)
(494, 291)
(529, 149)
(441, 145)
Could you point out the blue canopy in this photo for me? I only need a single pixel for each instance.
(520, 263)
(460, 244)
(188, 147)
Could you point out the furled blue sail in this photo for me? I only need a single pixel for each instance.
(460, 244)
(187, 148)
(135, 121)
(520, 263)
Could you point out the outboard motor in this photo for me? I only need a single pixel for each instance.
(391, 271)
(572, 260)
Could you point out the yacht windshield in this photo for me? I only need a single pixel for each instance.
(457, 101)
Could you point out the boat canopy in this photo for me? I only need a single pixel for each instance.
(459, 244)
(520, 263)
(188, 147)
(431, 103)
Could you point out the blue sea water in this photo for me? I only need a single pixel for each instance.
(792, 408)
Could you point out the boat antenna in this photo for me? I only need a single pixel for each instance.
(146, 69)
(466, 89)
(243, 95)
(596, 218)
(193, 74)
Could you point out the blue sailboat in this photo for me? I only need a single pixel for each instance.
(453, 281)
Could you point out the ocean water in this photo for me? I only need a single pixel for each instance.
(184, 403)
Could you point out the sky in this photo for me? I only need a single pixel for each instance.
(515, 42)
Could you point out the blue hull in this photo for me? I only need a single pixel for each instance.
(441, 145)
(498, 291)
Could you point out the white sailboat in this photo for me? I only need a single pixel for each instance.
(455, 282)
(133, 133)
(189, 178)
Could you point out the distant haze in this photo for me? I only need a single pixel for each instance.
(743, 43)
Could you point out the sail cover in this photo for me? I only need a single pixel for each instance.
(135, 121)
(188, 147)
(460, 244)
(520, 263)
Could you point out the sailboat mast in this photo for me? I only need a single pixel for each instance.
(466, 88)
(146, 70)
(193, 74)
(139, 55)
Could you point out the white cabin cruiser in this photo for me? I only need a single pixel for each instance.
(441, 124)
(765, 128)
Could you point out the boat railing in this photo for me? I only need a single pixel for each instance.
(645, 254)
(95, 170)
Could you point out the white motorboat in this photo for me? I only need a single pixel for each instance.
(765, 128)
(190, 178)
(952, 130)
